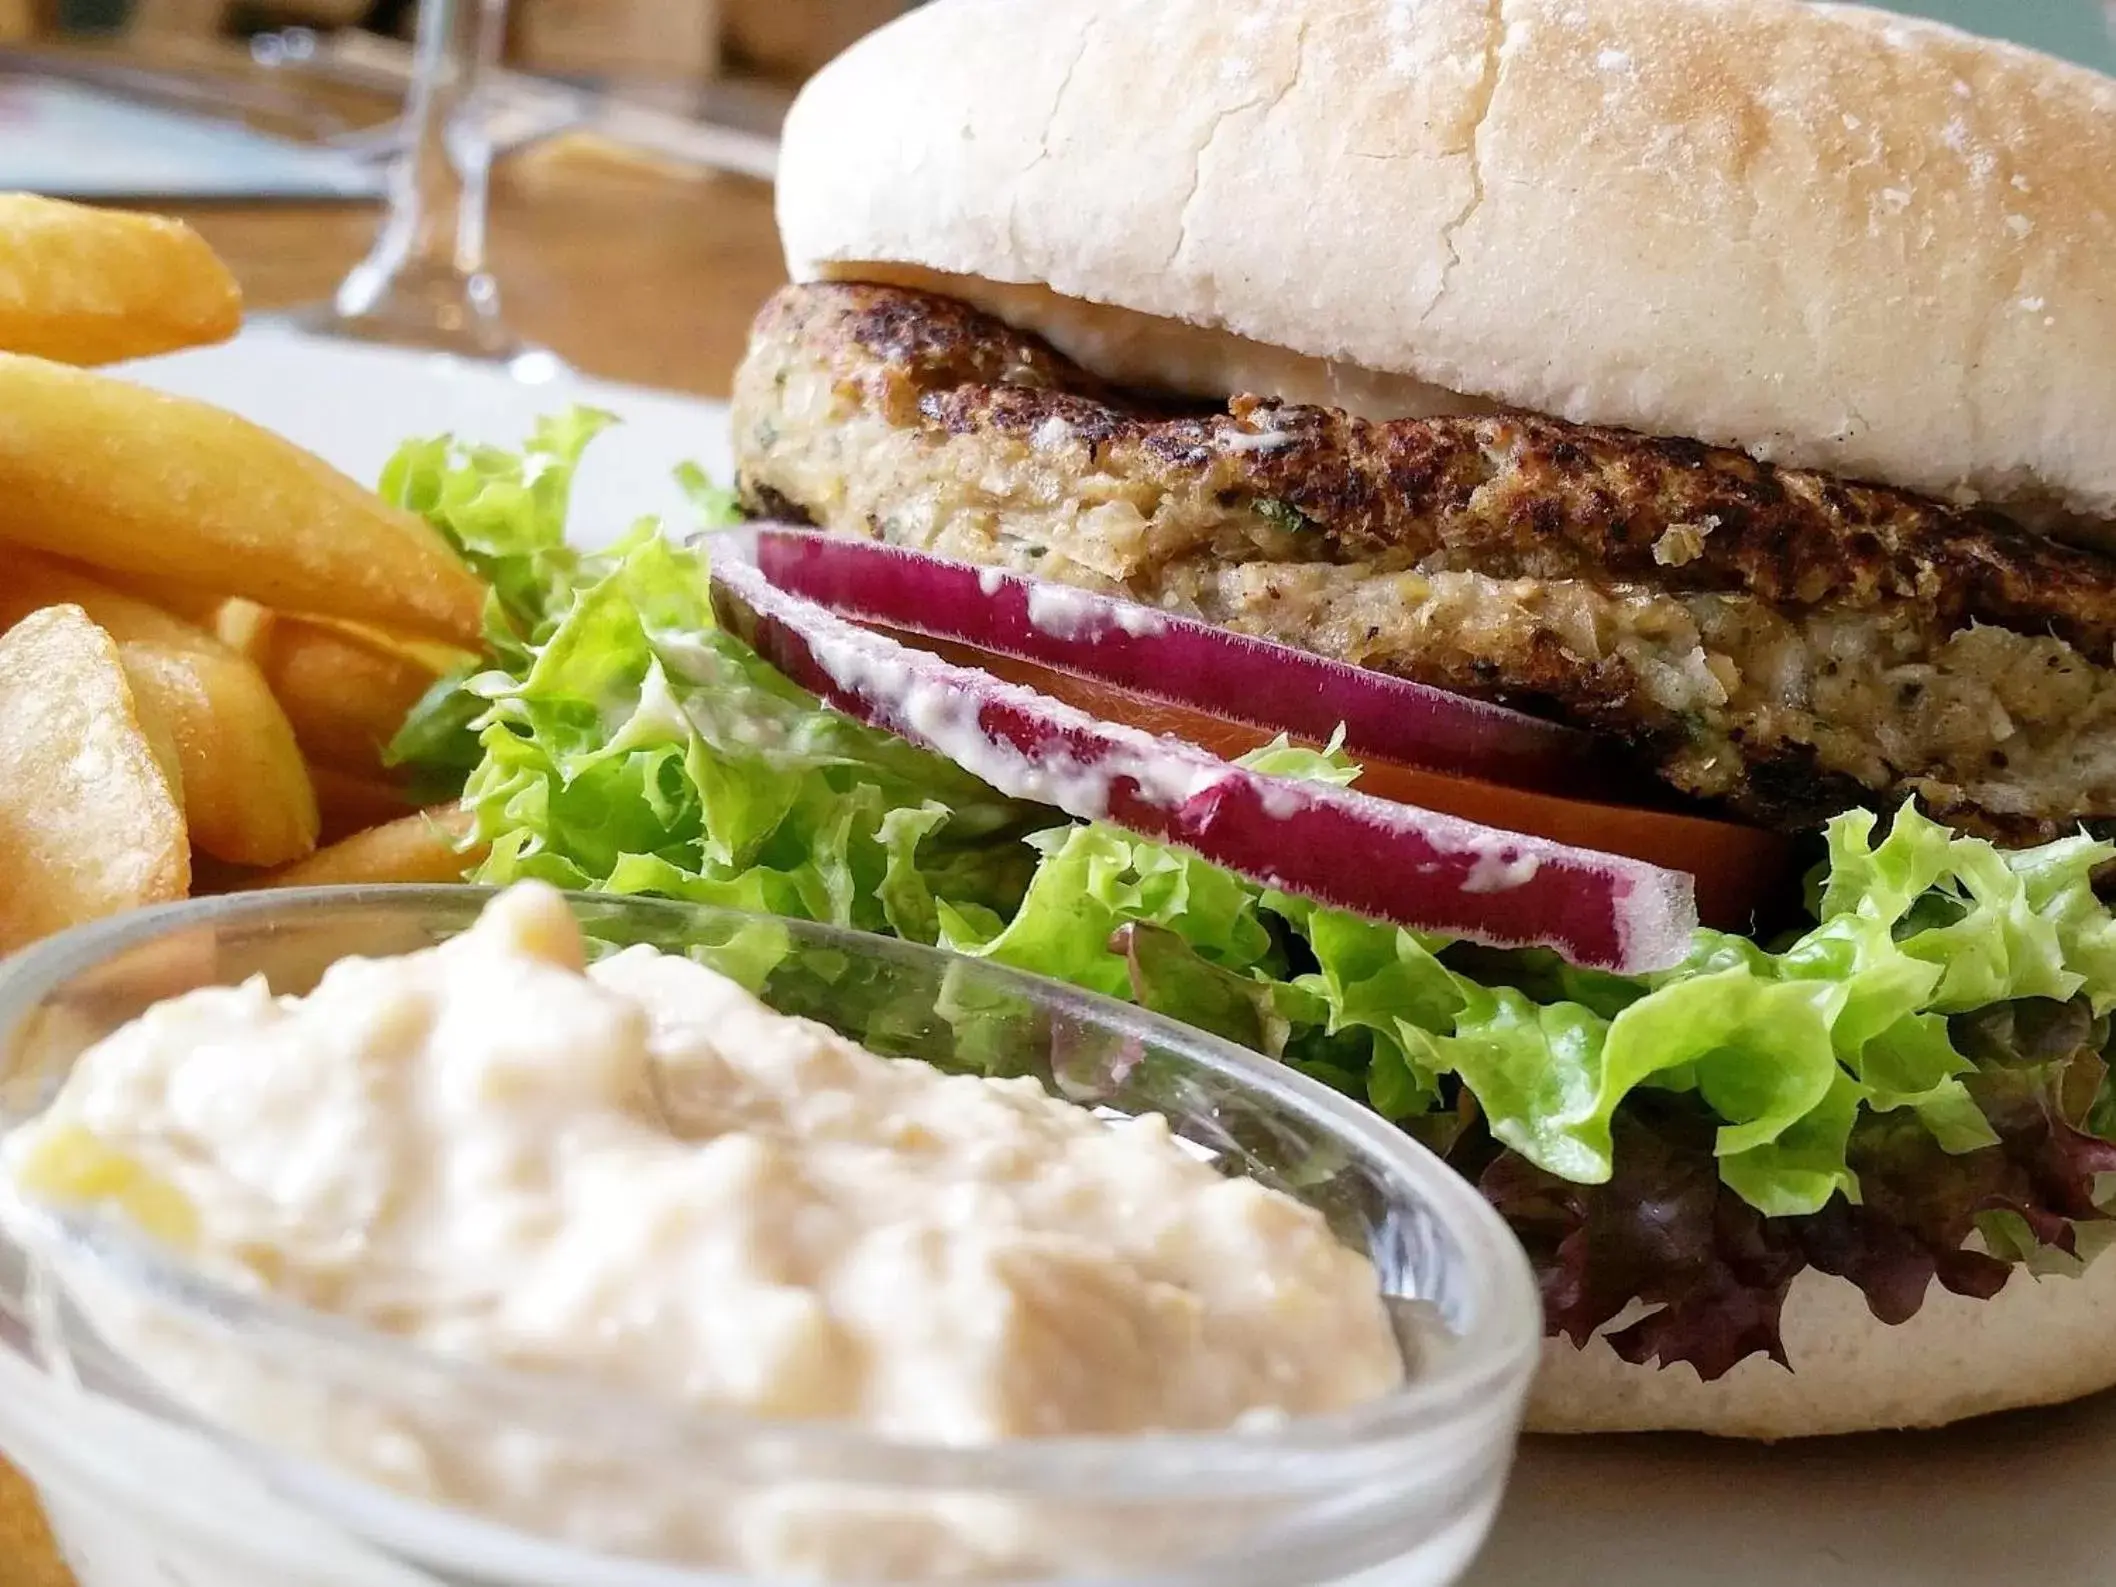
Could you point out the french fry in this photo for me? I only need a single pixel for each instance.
(92, 286)
(160, 734)
(90, 821)
(200, 608)
(117, 476)
(350, 802)
(423, 847)
(435, 656)
(246, 792)
(237, 622)
(345, 694)
(30, 582)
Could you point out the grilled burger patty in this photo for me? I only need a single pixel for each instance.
(1784, 642)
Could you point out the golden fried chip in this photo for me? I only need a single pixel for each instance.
(25, 1538)
(424, 847)
(29, 582)
(201, 608)
(238, 622)
(90, 823)
(245, 788)
(91, 286)
(112, 474)
(345, 694)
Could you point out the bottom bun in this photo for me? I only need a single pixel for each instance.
(2037, 1342)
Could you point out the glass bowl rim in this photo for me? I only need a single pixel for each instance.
(1482, 1367)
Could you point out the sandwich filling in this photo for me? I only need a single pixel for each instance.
(1909, 1087)
(1782, 643)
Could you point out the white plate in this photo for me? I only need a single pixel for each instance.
(352, 405)
(2015, 1499)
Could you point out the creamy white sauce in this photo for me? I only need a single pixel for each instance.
(943, 714)
(1242, 441)
(1282, 798)
(1141, 622)
(1501, 870)
(638, 1173)
(1066, 612)
(940, 706)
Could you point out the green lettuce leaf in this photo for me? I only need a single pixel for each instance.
(619, 740)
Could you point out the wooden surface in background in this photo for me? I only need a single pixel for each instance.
(626, 267)
(625, 272)
(789, 39)
(26, 1557)
(650, 39)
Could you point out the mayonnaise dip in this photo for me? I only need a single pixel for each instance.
(637, 1172)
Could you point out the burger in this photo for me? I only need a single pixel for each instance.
(1551, 562)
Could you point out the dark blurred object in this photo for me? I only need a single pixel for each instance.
(90, 16)
(192, 19)
(790, 39)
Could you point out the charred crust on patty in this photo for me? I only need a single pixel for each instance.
(766, 502)
(1790, 788)
(1560, 500)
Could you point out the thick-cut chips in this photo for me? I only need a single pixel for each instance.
(246, 791)
(115, 475)
(346, 687)
(345, 694)
(425, 847)
(91, 822)
(91, 286)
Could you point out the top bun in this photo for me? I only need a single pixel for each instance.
(1829, 236)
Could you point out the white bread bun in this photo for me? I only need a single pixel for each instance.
(1832, 237)
(1829, 236)
(2037, 1342)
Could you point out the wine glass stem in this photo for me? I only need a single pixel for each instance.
(434, 239)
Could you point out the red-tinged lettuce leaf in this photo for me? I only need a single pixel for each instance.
(1664, 1231)
(1667, 1233)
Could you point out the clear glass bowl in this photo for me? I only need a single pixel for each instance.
(184, 1435)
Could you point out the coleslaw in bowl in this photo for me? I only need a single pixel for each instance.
(176, 1424)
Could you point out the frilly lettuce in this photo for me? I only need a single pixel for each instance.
(621, 741)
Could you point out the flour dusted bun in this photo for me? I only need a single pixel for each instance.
(1827, 235)
(2037, 1342)
(1834, 238)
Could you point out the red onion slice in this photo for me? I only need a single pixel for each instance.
(1388, 861)
(1182, 660)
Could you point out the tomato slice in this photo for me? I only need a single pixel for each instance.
(1736, 868)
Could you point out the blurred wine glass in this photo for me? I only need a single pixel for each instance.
(425, 283)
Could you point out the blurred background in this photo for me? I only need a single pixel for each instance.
(621, 150)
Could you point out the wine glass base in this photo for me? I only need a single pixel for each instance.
(418, 323)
